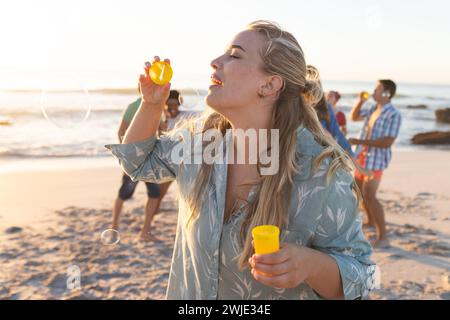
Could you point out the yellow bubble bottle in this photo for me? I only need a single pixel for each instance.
(266, 239)
(365, 95)
(161, 72)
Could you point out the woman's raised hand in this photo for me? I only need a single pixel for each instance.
(153, 95)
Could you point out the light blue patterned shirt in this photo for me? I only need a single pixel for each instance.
(204, 263)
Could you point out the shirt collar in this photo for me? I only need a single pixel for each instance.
(387, 107)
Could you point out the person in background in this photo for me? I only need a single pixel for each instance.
(381, 128)
(333, 98)
(329, 122)
(173, 115)
(128, 186)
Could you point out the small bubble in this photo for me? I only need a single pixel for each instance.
(110, 237)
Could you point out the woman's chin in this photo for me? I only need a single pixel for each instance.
(212, 100)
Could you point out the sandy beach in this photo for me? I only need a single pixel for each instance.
(51, 218)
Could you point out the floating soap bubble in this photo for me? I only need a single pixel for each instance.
(193, 99)
(66, 108)
(110, 237)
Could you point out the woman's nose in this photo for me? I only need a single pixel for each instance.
(215, 64)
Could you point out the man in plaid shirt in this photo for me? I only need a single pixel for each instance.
(381, 128)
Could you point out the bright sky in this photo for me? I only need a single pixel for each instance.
(99, 43)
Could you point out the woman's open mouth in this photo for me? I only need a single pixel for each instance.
(215, 81)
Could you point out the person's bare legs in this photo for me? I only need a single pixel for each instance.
(377, 212)
(163, 190)
(117, 209)
(150, 209)
(370, 221)
(164, 187)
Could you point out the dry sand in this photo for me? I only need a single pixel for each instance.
(60, 213)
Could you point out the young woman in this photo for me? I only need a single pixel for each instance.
(260, 82)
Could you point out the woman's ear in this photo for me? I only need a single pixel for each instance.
(272, 86)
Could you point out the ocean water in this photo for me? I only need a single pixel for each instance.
(79, 123)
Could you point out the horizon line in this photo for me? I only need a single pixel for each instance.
(129, 90)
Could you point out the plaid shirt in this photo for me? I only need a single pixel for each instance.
(387, 125)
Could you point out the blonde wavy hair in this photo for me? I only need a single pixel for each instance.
(283, 56)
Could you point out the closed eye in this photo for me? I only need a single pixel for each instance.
(232, 54)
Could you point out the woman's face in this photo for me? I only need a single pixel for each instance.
(238, 74)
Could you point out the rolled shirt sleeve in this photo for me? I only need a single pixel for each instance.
(148, 160)
(367, 111)
(339, 234)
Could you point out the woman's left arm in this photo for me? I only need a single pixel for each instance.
(293, 265)
(337, 263)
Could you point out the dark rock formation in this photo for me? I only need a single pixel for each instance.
(433, 137)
